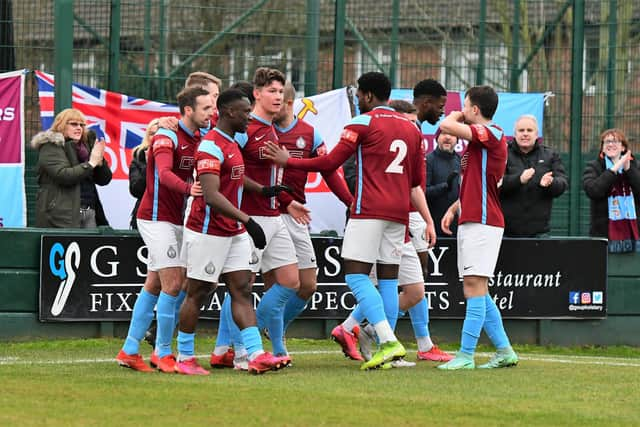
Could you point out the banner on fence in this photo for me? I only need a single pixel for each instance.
(122, 120)
(13, 208)
(98, 278)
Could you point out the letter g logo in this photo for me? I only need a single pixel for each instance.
(56, 261)
(65, 268)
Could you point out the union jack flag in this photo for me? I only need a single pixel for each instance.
(119, 119)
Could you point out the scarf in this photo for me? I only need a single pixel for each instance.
(623, 226)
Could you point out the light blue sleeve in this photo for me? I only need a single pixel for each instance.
(241, 139)
(170, 134)
(317, 140)
(363, 119)
(210, 147)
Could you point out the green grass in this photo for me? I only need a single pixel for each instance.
(550, 386)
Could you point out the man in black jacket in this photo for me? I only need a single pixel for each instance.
(533, 178)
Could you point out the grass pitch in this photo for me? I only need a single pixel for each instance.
(78, 383)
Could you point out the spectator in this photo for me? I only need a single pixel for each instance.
(70, 163)
(138, 168)
(406, 108)
(443, 179)
(533, 178)
(612, 182)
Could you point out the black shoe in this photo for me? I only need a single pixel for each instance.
(150, 336)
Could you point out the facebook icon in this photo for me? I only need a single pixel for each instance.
(574, 297)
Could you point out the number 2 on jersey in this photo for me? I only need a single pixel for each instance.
(400, 147)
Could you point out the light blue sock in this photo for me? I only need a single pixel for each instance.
(368, 298)
(294, 307)
(493, 325)
(358, 314)
(251, 339)
(270, 314)
(165, 313)
(419, 314)
(179, 300)
(140, 320)
(235, 337)
(472, 326)
(223, 337)
(186, 344)
(388, 289)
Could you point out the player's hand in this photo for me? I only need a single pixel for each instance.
(170, 123)
(526, 175)
(274, 190)
(447, 220)
(196, 189)
(430, 235)
(546, 179)
(275, 153)
(256, 233)
(299, 213)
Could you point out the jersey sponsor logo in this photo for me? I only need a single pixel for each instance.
(162, 143)
(296, 154)
(300, 143)
(187, 162)
(482, 133)
(237, 172)
(349, 135)
(261, 152)
(208, 165)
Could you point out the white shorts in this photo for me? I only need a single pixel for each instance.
(417, 228)
(373, 241)
(478, 249)
(279, 250)
(207, 256)
(163, 240)
(410, 270)
(301, 241)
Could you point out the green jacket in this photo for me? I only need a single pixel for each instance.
(59, 176)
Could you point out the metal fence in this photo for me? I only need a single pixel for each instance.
(583, 53)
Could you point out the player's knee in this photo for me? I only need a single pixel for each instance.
(307, 290)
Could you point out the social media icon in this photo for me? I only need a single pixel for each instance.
(585, 298)
(598, 297)
(574, 297)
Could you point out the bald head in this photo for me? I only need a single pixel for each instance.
(285, 116)
(289, 91)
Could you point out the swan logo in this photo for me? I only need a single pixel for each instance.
(63, 265)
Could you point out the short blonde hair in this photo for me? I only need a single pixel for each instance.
(64, 116)
(202, 80)
(146, 140)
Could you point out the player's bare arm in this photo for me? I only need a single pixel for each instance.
(419, 201)
(454, 125)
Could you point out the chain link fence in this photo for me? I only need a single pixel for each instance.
(146, 48)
